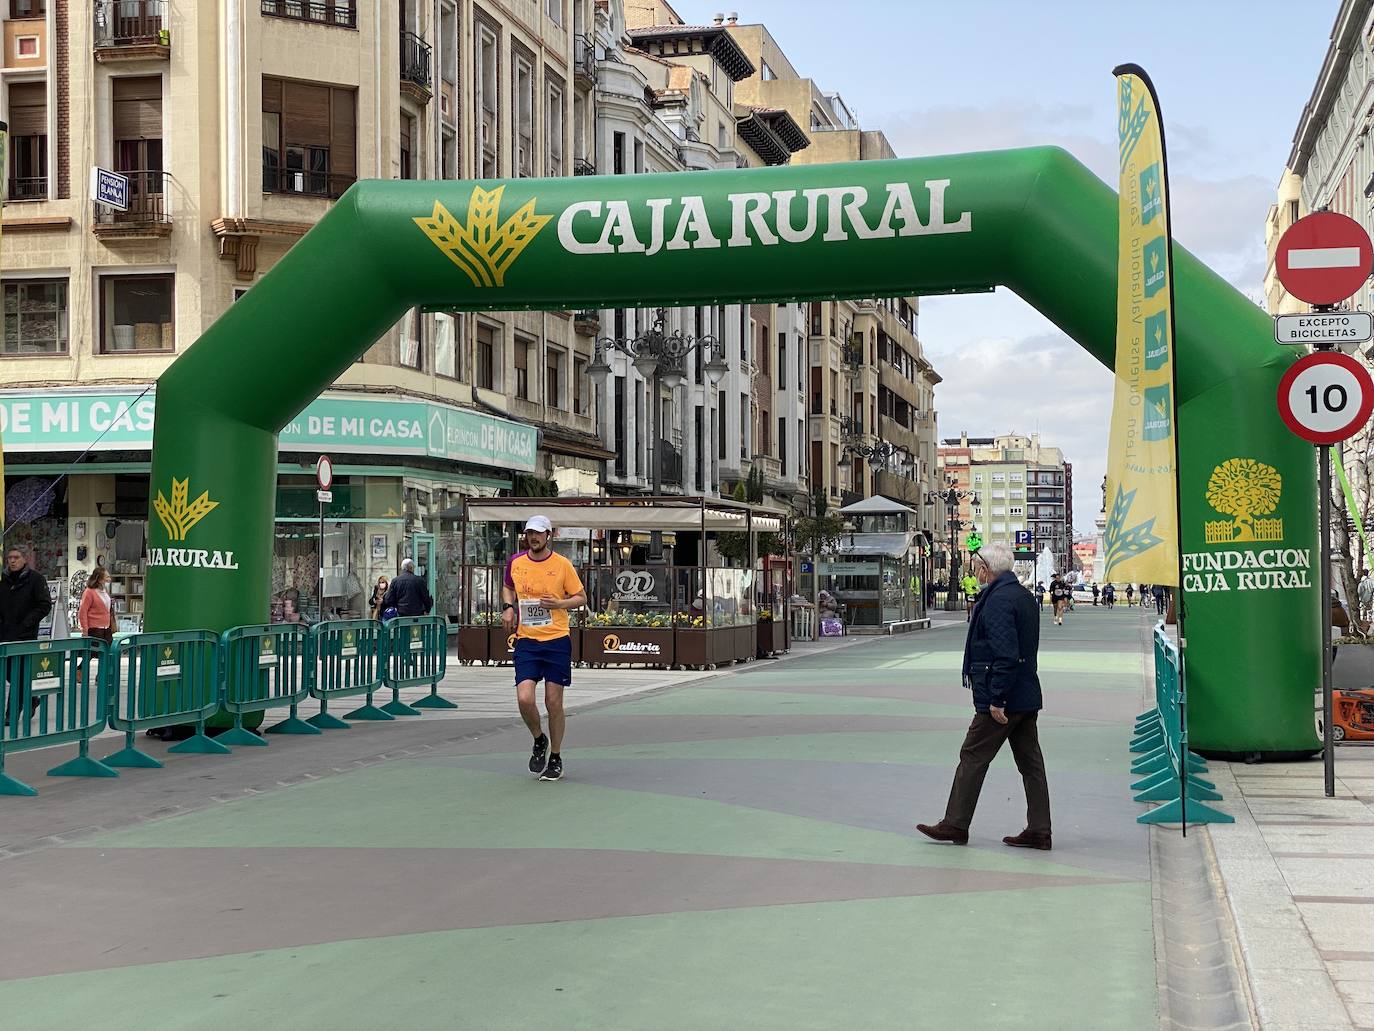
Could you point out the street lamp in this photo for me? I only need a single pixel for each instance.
(880, 453)
(952, 496)
(660, 356)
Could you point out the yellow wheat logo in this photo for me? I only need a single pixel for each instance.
(178, 517)
(1246, 490)
(481, 249)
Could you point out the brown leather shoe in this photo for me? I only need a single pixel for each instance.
(944, 832)
(1029, 839)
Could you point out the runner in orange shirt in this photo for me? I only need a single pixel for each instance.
(539, 589)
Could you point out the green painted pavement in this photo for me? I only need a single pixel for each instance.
(455, 807)
(720, 701)
(942, 961)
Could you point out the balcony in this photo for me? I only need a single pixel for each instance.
(131, 30)
(588, 323)
(308, 184)
(584, 60)
(29, 189)
(147, 217)
(416, 57)
(583, 167)
(342, 13)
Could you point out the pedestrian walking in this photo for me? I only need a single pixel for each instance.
(970, 586)
(374, 604)
(1130, 592)
(1109, 596)
(93, 614)
(24, 601)
(1364, 593)
(1040, 593)
(1000, 668)
(539, 589)
(408, 593)
(1096, 591)
(1161, 597)
(1059, 598)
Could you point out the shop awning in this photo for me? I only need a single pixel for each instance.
(876, 505)
(635, 515)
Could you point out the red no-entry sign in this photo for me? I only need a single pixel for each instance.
(1326, 397)
(1324, 258)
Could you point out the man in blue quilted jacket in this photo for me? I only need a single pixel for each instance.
(1000, 669)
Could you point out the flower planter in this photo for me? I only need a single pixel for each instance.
(617, 645)
(701, 648)
(473, 644)
(746, 643)
(766, 646)
(575, 632)
(500, 645)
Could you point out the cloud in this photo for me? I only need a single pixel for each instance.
(1043, 384)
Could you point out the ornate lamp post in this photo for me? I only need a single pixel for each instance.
(951, 496)
(660, 356)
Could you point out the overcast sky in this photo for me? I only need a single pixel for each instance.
(942, 78)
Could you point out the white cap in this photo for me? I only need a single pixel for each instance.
(539, 523)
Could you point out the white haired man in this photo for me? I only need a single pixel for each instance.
(408, 593)
(1000, 656)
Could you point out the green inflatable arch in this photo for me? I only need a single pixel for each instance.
(1034, 220)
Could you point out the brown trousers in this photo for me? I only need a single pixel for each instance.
(981, 745)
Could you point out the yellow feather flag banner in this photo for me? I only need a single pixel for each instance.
(1140, 540)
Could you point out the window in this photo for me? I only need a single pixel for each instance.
(413, 341)
(322, 12)
(26, 47)
(618, 153)
(782, 361)
(522, 91)
(579, 398)
(766, 73)
(978, 478)
(999, 527)
(309, 138)
(553, 379)
(555, 9)
(446, 345)
(138, 140)
(28, 8)
(486, 357)
(553, 129)
(720, 425)
(487, 76)
(744, 426)
(1016, 477)
(136, 313)
(448, 155)
(35, 316)
(782, 443)
(522, 368)
(407, 146)
(998, 477)
(28, 128)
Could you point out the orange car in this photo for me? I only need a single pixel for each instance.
(1352, 715)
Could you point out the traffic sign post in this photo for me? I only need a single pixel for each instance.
(1326, 397)
(1325, 328)
(324, 476)
(1324, 258)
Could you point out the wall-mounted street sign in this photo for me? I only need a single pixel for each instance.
(1323, 258)
(1326, 397)
(1328, 328)
(110, 188)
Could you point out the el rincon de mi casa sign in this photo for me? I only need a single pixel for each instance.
(1033, 220)
(74, 421)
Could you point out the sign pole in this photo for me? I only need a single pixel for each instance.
(1324, 491)
(319, 588)
(324, 478)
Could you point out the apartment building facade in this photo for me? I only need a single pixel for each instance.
(1014, 483)
(237, 126)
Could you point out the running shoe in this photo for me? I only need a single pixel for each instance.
(538, 755)
(554, 770)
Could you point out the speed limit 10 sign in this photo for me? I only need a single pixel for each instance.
(1326, 397)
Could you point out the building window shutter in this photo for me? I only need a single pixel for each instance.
(28, 109)
(138, 108)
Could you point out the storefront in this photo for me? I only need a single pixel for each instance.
(77, 491)
(875, 576)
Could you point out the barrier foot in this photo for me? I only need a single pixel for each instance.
(83, 766)
(1154, 780)
(369, 712)
(1147, 744)
(327, 721)
(1172, 812)
(199, 744)
(295, 725)
(10, 786)
(434, 701)
(131, 758)
(1168, 791)
(1145, 769)
(239, 736)
(396, 707)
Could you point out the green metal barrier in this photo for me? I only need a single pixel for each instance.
(265, 667)
(53, 693)
(416, 654)
(162, 680)
(1170, 770)
(345, 659)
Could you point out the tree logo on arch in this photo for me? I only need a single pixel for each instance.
(484, 251)
(1244, 489)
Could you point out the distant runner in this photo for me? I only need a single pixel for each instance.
(539, 589)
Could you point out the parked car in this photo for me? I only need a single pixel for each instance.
(1082, 592)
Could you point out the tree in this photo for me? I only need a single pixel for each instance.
(1244, 488)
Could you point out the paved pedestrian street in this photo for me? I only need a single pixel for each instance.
(737, 851)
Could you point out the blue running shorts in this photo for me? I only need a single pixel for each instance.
(543, 660)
